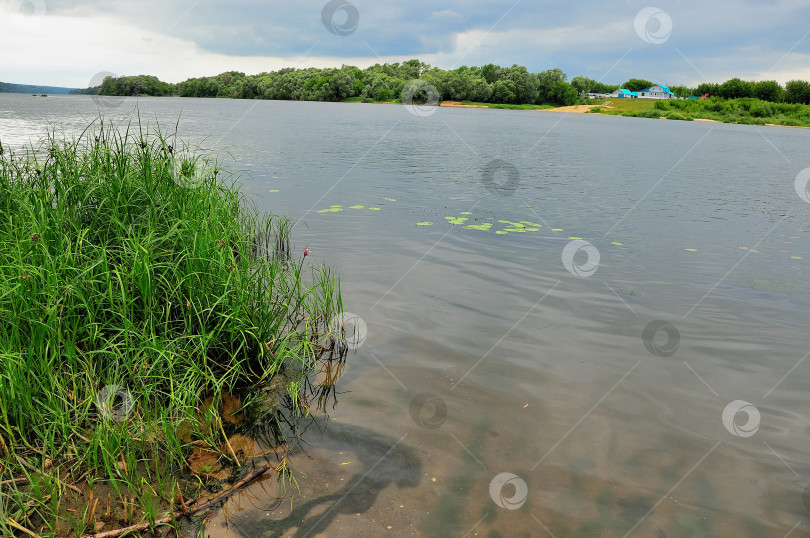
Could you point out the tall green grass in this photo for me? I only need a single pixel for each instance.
(747, 111)
(134, 270)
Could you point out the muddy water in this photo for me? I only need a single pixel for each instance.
(487, 353)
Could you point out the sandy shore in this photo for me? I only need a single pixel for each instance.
(459, 104)
(576, 109)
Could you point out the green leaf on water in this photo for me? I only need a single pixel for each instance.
(532, 224)
(616, 243)
(485, 226)
(456, 220)
(356, 207)
(499, 232)
(425, 223)
(373, 208)
(465, 213)
(332, 209)
(273, 190)
(390, 199)
(572, 237)
(556, 229)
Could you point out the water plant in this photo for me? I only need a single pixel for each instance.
(132, 304)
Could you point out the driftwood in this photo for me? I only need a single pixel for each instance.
(247, 479)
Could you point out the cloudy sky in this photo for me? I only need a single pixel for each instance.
(67, 42)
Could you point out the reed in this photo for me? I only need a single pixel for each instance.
(136, 281)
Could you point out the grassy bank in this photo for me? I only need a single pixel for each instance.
(744, 111)
(144, 304)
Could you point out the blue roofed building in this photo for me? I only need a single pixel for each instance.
(621, 93)
(658, 91)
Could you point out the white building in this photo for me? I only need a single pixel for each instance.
(659, 91)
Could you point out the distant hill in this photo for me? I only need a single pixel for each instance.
(6, 87)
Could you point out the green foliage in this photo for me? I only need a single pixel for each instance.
(735, 89)
(636, 84)
(797, 91)
(137, 85)
(746, 110)
(489, 84)
(118, 270)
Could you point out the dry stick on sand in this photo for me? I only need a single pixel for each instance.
(236, 487)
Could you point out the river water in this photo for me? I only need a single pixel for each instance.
(628, 356)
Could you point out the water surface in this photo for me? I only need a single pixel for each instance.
(531, 369)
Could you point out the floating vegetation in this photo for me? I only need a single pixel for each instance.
(690, 249)
(456, 220)
(389, 199)
(337, 207)
(332, 209)
(424, 223)
(273, 190)
(557, 230)
(485, 226)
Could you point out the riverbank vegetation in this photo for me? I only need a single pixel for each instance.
(149, 315)
(747, 111)
(486, 85)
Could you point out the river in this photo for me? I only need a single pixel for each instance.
(617, 346)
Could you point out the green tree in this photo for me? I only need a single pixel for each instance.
(581, 84)
(707, 87)
(769, 90)
(682, 91)
(490, 73)
(547, 83)
(637, 84)
(797, 91)
(735, 89)
(503, 91)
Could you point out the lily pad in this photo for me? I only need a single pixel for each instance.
(616, 243)
(330, 210)
(532, 224)
(556, 229)
(373, 208)
(456, 220)
(466, 213)
(501, 232)
(574, 238)
(357, 207)
(425, 223)
(273, 190)
(390, 199)
(485, 226)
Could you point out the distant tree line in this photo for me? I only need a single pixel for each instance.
(384, 82)
(380, 82)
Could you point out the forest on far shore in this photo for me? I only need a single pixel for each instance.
(385, 82)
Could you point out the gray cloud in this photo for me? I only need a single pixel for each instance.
(587, 37)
